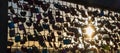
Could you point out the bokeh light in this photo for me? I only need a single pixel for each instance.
(89, 32)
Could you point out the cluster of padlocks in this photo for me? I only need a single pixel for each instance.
(54, 26)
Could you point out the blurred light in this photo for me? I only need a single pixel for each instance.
(89, 31)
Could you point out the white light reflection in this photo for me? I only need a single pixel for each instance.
(89, 31)
(80, 31)
(81, 45)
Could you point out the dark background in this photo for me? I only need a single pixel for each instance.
(3, 25)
